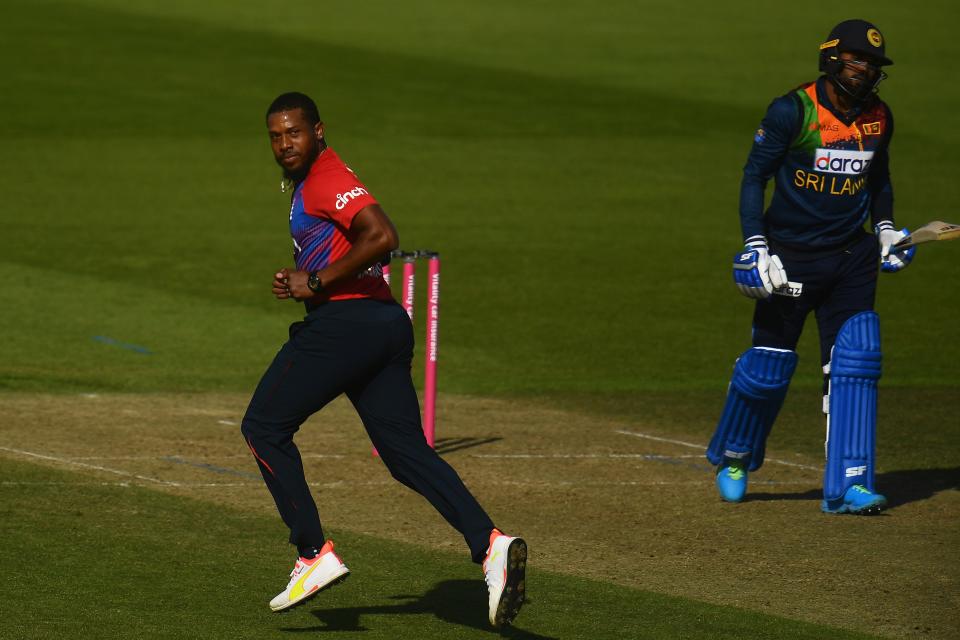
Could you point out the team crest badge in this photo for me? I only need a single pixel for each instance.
(871, 128)
(759, 136)
(874, 37)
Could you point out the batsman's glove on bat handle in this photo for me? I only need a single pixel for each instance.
(756, 273)
(887, 236)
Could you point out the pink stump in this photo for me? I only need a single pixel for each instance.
(433, 345)
(409, 282)
(433, 326)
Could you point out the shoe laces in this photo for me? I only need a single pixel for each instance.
(490, 574)
(297, 570)
(735, 472)
(491, 578)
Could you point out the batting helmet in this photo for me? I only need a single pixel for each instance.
(855, 36)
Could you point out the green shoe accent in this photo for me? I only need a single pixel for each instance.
(735, 471)
(857, 500)
(731, 480)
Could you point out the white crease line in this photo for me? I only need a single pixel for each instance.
(648, 437)
(200, 485)
(578, 456)
(181, 485)
(332, 485)
(703, 448)
(125, 458)
(89, 466)
(243, 456)
(626, 483)
(794, 464)
(346, 483)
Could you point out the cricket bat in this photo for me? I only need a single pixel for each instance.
(929, 232)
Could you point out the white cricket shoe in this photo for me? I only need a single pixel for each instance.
(504, 570)
(310, 576)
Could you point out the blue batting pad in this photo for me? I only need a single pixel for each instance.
(759, 385)
(852, 422)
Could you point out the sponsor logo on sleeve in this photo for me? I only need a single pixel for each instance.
(852, 163)
(344, 198)
(871, 128)
(759, 136)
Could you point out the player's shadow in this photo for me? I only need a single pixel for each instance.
(810, 494)
(900, 487)
(904, 487)
(458, 602)
(449, 445)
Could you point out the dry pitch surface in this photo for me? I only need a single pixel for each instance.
(628, 503)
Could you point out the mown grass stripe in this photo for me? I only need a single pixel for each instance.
(89, 561)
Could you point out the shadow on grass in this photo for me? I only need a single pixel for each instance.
(459, 602)
(900, 487)
(911, 485)
(448, 445)
(810, 494)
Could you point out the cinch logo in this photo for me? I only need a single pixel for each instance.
(852, 163)
(344, 198)
(853, 472)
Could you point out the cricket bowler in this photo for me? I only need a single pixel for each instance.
(355, 339)
(826, 146)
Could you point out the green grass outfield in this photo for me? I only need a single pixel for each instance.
(578, 168)
(577, 165)
(109, 561)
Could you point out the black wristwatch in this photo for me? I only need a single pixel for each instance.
(313, 282)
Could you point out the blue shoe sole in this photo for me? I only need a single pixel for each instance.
(869, 509)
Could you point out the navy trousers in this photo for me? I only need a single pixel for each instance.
(836, 286)
(363, 348)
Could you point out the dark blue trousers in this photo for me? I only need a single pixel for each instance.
(363, 348)
(836, 286)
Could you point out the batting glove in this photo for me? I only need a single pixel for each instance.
(757, 273)
(887, 236)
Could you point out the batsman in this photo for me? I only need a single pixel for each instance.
(826, 146)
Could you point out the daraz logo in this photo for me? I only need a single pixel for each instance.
(839, 161)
